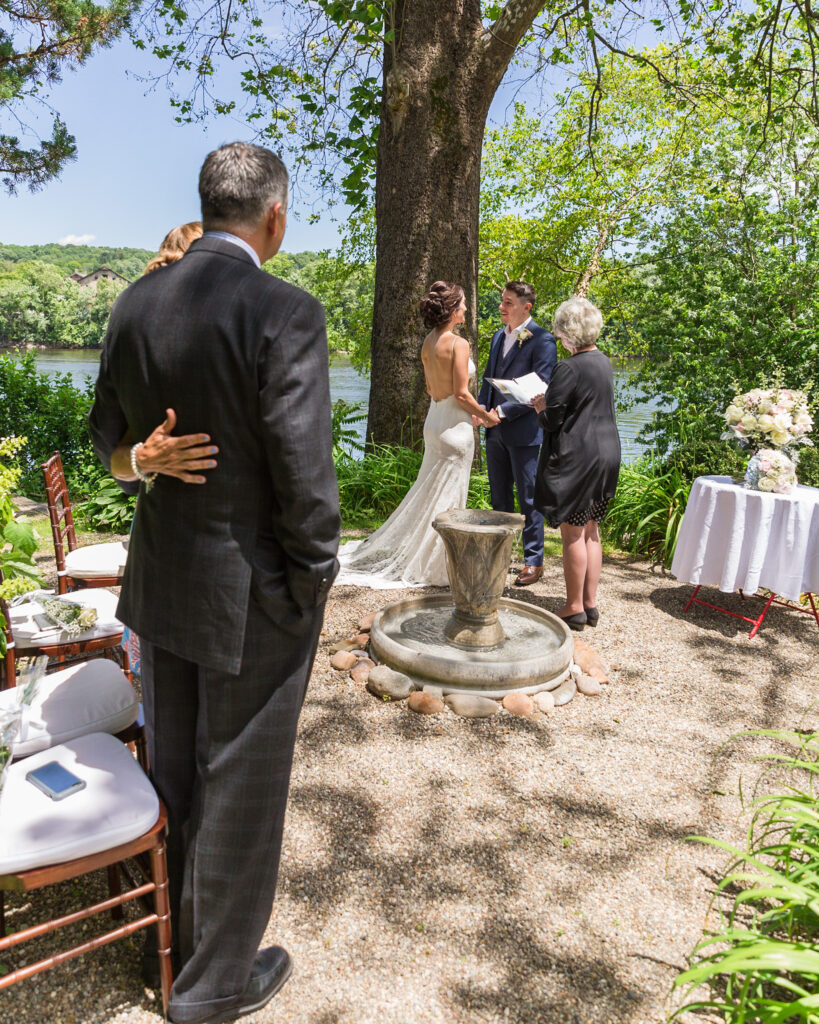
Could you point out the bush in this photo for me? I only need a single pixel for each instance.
(645, 515)
(17, 540)
(53, 414)
(762, 966)
(108, 508)
(346, 439)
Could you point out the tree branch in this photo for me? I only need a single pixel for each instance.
(500, 41)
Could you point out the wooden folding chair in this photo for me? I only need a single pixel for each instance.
(107, 642)
(93, 565)
(116, 818)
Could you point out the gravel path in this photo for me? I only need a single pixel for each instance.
(444, 871)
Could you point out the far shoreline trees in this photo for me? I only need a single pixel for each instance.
(41, 308)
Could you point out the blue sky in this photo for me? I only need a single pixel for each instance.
(136, 171)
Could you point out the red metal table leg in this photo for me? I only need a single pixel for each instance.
(758, 622)
(813, 606)
(755, 623)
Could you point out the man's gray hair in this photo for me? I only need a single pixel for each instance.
(578, 322)
(238, 184)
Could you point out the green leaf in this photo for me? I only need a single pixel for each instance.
(21, 536)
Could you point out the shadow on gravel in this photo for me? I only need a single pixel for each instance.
(416, 891)
(543, 984)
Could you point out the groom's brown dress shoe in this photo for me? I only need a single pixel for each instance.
(271, 970)
(529, 574)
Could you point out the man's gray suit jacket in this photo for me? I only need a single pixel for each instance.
(241, 356)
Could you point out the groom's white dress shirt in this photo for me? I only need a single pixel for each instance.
(226, 236)
(511, 336)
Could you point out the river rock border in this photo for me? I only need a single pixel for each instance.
(351, 657)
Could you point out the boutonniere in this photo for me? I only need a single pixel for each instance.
(523, 335)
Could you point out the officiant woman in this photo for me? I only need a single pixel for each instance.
(580, 459)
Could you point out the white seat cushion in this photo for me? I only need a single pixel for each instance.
(97, 560)
(31, 628)
(92, 697)
(117, 805)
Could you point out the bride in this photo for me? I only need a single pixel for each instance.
(405, 550)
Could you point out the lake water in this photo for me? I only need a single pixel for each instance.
(346, 383)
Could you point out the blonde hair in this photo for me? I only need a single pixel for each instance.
(175, 244)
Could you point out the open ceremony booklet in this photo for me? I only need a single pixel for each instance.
(520, 389)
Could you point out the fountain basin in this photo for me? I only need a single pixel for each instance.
(534, 654)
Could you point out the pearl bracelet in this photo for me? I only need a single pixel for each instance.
(145, 478)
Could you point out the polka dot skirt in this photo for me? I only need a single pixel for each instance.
(595, 511)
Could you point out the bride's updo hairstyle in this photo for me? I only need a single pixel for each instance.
(440, 302)
(175, 245)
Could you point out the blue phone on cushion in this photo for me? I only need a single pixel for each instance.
(55, 781)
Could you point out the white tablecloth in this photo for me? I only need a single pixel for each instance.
(740, 539)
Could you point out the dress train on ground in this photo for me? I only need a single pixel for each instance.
(405, 551)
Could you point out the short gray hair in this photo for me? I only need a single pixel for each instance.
(238, 184)
(578, 322)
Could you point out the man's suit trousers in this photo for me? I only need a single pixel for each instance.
(221, 749)
(515, 467)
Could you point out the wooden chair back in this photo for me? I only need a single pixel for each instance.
(8, 669)
(59, 512)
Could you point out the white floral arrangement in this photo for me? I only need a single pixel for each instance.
(773, 417)
(772, 471)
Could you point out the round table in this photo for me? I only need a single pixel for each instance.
(735, 538)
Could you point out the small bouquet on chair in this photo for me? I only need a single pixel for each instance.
(72, 618)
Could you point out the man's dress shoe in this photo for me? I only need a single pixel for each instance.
(529, 574)
(271, 969)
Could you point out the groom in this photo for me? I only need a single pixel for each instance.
(513, 441)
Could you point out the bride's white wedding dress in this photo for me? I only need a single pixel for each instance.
(405, 551)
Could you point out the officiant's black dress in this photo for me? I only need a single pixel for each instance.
(580, 459)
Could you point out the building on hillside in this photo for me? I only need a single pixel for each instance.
(90, 280)
(78, 275)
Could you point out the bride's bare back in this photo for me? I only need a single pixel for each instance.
(446, 364)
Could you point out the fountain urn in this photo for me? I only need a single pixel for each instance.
(478, 546)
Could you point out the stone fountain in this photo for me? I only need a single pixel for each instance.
(487, 645)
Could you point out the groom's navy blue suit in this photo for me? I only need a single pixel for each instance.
(513, 446)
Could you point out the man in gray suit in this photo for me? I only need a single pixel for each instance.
(226, 582)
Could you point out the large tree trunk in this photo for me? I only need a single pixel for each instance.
(439, 82)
